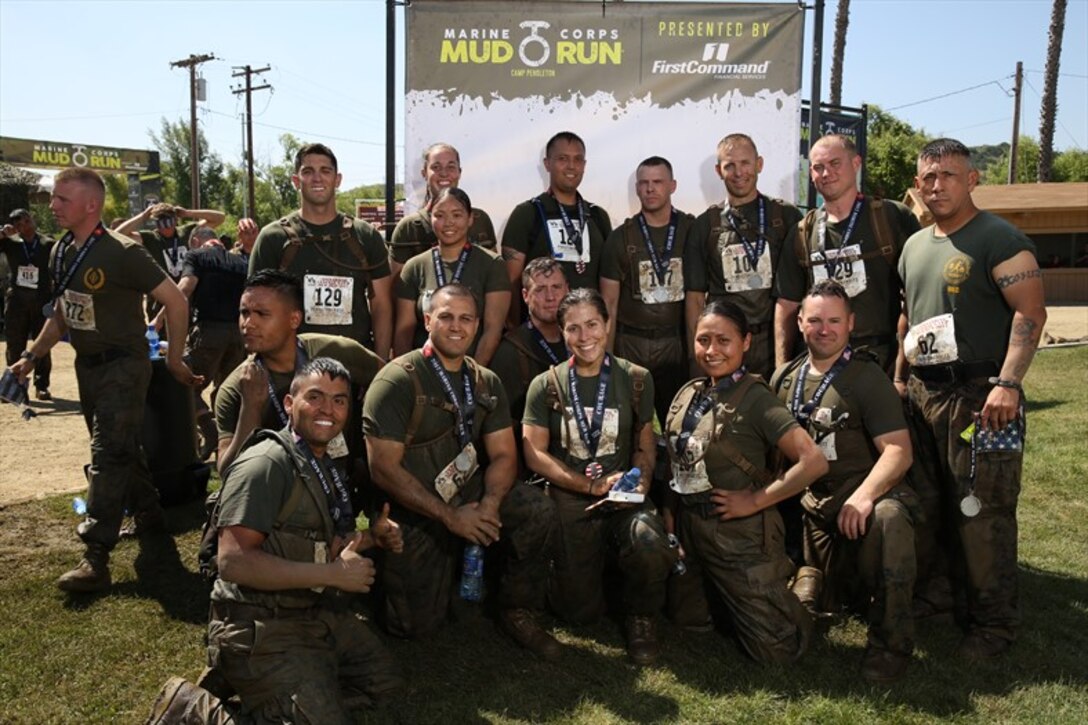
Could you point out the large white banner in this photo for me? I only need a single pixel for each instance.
(634, 79)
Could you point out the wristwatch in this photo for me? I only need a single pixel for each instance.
(28, 355)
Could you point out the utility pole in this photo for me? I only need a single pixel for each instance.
(390, 120)
(1014, 147)
(817, 81)
(249, 72)
(194, 147)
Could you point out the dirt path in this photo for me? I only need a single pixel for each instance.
(45, 456)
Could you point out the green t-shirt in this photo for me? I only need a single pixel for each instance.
(518, 360)
(721, 267)
(22, 285)
(484, 273)
(644, 301)
(169, 253)
(954, 275)
(387, 412)
(616, 444)
(754, 430)
(414, 234)
(102, 305)
(329, 270)
(362, 365)
(859, 406)
(525, 232)
(876, 308)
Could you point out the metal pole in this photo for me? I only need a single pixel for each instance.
(1014, 147)
(817, 81)
(390, 121)
(194, 146)
(249, 72)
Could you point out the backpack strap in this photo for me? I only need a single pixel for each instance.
(758, 475)
(419, 401)
(525, 355)
(638, 384)
(292, 228)
(885, 240)
(805, 229)
(293, 243)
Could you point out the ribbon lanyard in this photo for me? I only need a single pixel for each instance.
(821, 232)
(440, 269)
(660, 264)
(336, 495)
(61, 279)
(277, 404)
(466, 406)
(543, 343)
(573, 235)
(590, 431)
(803, 412)
(699, 408)
(29, 248)
(752, 251)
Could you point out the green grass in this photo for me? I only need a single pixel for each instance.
(102, 659)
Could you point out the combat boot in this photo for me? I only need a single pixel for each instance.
(92, 574)
(521, 626)
(977, 646)
(807, 586)
(642, 642)
(883, 667)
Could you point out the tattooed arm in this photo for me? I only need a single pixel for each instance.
(1021, 283)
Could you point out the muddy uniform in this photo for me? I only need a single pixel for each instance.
(634, 537)
(736, 255)
(650, 313)
(743, 559)
(414, 234)
(215, 342)
(335, 263)
(859, 406)
(407, 403)
(960, 326)
(349, 451)
(483, 272)
(536, 229)
(170, 254)
(102, 309)
(861, 253)
(28, 291)
(292, 655)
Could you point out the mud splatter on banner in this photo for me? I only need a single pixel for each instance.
(634, 79)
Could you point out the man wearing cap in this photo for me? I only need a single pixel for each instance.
(29, 288)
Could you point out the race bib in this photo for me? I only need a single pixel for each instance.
(826, 443)
(849, 268)
(457, 472)
(610, 429)
(78, 310)
(328, 299)
(654, 293)
(338, 447)
(738, 272)
(27, 276)
(562, 247)
(689, 475)
(932, 342)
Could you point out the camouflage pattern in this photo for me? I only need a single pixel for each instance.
(420, 582)
(979, 554)
(666, 360)
(874, 574)
(112, 398)
(745, 562)
(633, 538)
(336, 664)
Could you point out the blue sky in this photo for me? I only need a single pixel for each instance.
(98, 72)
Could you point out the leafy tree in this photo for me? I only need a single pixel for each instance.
(172, 142)
(1048, 110)
(842, 23)
(1071, 165)
(1027, 161)
(116, 206)
(892, 156)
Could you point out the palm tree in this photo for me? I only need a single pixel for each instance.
(842, 22)
(1048, 111)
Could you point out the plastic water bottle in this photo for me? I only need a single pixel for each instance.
(153, 343)
(472, 575)
(679, 568)
(629, 482)
(79, 505)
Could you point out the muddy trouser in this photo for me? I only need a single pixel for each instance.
(876, 571)
(22, 322)
(745, 562)
(420, 582)
(664, 355)
(632, 538)
(214, 349)
(300, 666)
(981, 551)
(760, 355)
(112, 395)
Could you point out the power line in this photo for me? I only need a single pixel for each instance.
(1060, 75)
(88, 118)
(1067, 132)
(313, 134)
(953, 93)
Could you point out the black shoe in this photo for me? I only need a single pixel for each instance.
(643, 646)
(43, 394)
(978, 646)
(521, 626)
(883, 667)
